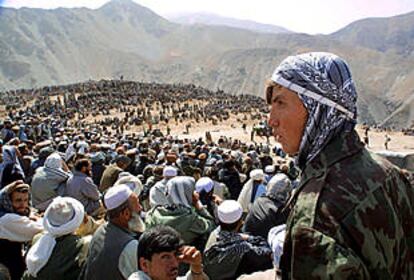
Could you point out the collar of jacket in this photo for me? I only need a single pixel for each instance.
(127, 231)
(79, 174)
(342, 146)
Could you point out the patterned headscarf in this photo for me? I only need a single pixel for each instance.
(180, 190)
(279, 187)
(10, 158)
(324, 84)
(6, 205)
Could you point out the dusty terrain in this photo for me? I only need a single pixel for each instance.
(233, 129)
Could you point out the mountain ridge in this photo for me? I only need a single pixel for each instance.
(49, 47)
(213, 19)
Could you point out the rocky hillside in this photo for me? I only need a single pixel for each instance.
(42, 47)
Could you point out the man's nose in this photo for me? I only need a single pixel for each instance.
(139, 208)
(273, 119)
(174, 262)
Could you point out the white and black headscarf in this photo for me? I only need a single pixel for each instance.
(324, 84)
(180, 190)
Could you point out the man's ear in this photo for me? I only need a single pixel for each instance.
(144, 264)
(126, 213)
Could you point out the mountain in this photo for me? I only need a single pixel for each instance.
(48, 47)
(212, 19)
(395, 34)
(394, 38)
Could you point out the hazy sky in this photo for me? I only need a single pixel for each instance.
(309, 16)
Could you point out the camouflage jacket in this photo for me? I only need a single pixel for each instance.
(352, 217)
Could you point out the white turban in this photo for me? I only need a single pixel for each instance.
(229, 212)
(204, 183)
(63, 216)
(257, 175)
(126, 178)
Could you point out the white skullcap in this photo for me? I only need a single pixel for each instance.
(257, 174)
(169, 171)
(229, 212)
(116, 195)
(204, 183)
(269, 169)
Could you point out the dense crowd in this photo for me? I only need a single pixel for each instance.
(73, 181)
(120, 105)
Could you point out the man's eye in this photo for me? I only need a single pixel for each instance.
(277, 101)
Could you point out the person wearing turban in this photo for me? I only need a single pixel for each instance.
(59, 253)
(17, 226)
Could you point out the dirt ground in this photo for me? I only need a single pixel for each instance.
(233, 128)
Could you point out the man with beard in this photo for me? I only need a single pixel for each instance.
(82, 187)
(16, 226)
(161, 251)
(114, 247)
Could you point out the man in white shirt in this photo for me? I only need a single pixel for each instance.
(17, 226)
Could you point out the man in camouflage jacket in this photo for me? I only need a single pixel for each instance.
(352, 216)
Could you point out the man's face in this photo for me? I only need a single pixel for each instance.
(134, 203)
(123, 165)
(87, 170)
(288, 118)
(20, 202)
(132, 214)
(162, 266)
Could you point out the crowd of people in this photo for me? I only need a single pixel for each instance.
(116, 106)
(65, 157)
(81, 198)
